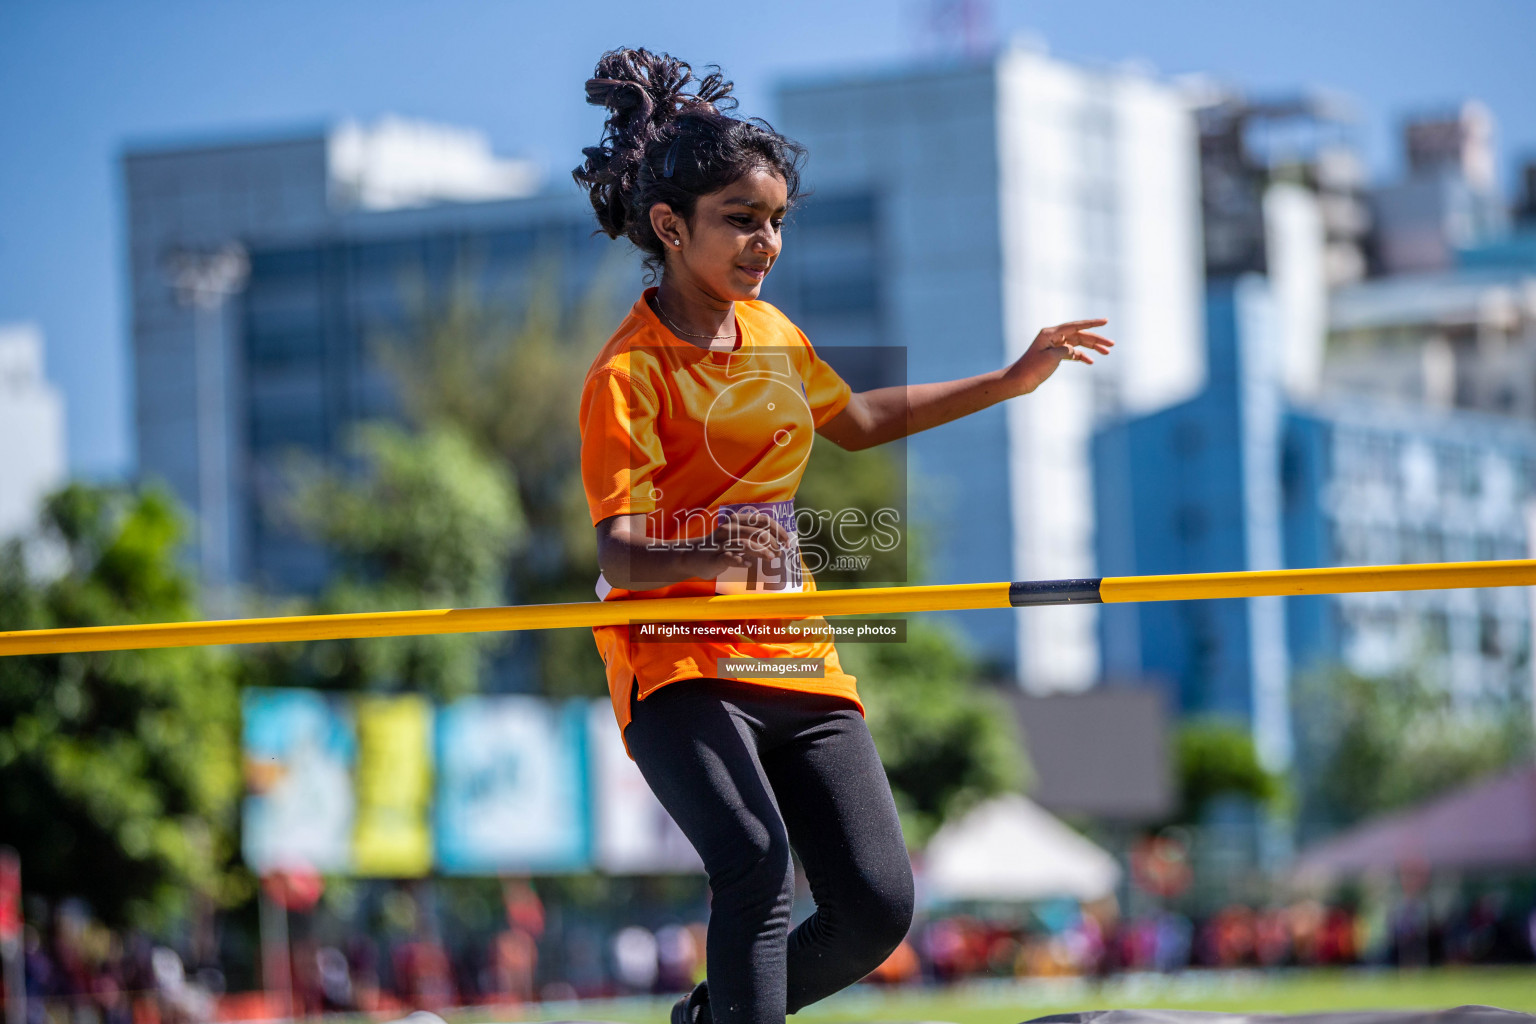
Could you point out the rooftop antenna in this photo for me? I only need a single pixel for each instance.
(960, 26)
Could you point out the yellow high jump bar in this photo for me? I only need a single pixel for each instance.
(874, 600)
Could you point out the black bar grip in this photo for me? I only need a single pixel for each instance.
(1031, 593)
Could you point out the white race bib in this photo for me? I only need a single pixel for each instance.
(782, 575)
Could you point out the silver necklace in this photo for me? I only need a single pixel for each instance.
(668, 321)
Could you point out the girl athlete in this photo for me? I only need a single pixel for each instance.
(696, 420)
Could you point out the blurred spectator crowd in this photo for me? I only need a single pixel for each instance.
(1095, 941)
(80, 972)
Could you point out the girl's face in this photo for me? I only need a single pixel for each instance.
(733, 239)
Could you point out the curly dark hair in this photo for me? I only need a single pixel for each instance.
(661, 144)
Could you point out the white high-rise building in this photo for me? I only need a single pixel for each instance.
(956, 211)
(32, 459)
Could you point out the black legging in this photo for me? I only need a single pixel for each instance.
(747, 772)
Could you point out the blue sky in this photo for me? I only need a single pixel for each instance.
(79, 78)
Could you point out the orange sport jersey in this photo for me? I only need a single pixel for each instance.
(682, 434)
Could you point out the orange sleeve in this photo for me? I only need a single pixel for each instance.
(825, 392)
(620, 452)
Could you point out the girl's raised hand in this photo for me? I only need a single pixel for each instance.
(1054, 346)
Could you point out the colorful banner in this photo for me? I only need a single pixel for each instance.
(391, 787)
(393, 834)
(299, 751)
(512, 786)
(634, 834)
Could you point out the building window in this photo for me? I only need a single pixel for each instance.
(854, 291)
(1372, 458)
(284, 266)
(836, 212)
(1520, 646)
(507, 246)
(1188, 438)
(1437, 632)
(1191, 523)
(388, 258)
(1459, 547)
(280, 347)
(277, 426)
(1434, 545)
(1488, 636)
(1458, 472)
(1525, 470)
(1336, 544)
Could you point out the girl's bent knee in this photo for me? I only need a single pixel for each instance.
(764, 877)
(884, 917)
(891, 925)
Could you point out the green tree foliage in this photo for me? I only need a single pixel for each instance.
(511, 384)
(1380, 744)
(1216, 758)
(118, 770)
(420, 520)
(947, 741)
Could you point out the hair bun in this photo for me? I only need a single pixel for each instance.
(638, 84)
(619, 96)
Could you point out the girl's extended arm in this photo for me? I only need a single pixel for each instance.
(885, 414)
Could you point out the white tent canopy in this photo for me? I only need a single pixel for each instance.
(1010, 849)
